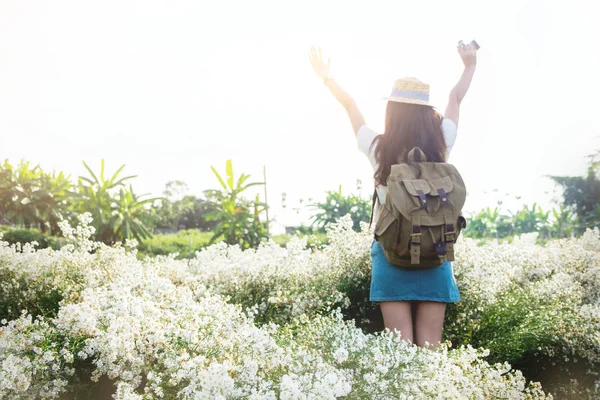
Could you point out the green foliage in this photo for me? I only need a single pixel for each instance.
(491, 223)
(168, 210)
(531, 333)
(482, 224)
(195, 212)
(564, 222)
(520, 324)
(529, 220)
(187, 212)
(185, 242)
(29, 197)
(117, 213)
(130, 217)
(581, 195)
(46, 303)
(17, 235)
(336, 205)
(237, 219)
(313, 240)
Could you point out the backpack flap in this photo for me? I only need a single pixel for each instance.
(418, 189)
(450, 193)
(442, 184)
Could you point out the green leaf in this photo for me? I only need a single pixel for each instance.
(229, 170)
(91, 173)
(241, 181)
(219, 177)
(251, 184)
(102, 171)
(120, 181)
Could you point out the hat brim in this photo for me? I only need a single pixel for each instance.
(408, 100)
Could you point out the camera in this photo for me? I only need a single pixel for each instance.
(473, 42)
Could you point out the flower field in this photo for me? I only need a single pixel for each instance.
(93, 321)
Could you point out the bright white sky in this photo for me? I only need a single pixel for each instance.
(170, 88)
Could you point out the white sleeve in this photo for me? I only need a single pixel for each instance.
(365, 137)
(449, 129)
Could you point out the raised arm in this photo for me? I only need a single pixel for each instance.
(468, 53)
(322, 70)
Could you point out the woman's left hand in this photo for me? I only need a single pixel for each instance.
(319, 66)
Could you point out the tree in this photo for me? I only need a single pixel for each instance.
(581, 195)
(171, 208)
(195, 213)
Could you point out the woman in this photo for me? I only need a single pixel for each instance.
(413, 301)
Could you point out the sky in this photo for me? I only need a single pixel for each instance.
(171, 88)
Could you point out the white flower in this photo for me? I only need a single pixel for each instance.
(340, 355)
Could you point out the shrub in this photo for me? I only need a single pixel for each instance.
(313, 240)
(166, 319)
(182, 244)
(138, 324)
(23, 236)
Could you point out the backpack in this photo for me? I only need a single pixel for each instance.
(421, 217)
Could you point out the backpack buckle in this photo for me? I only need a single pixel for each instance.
(415, 241)
(415, 236)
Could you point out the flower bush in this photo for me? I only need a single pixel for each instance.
(278, 322)
(535, 307)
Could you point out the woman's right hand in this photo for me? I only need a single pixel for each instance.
(468, 54)
(318, 64)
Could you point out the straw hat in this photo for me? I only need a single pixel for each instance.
(410, 90)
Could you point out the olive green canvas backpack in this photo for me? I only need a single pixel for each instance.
(421, 217)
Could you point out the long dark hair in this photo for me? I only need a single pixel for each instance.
(408, 126)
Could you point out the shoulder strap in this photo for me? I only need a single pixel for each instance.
(373, 206)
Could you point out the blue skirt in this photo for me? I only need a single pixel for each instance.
(389, 283)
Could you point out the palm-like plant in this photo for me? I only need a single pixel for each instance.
(128, 215)
(336, 205)
(484, 224)
(238, 220)
(114, 218)
(31, 198)
(60, 195)
(7, 191)
(26, 195)
(530, 220)
(564, 221)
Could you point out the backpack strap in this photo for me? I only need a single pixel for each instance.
(417, 155)
(443, 196)
(450, 234)
(373, 207)
(415, 240)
